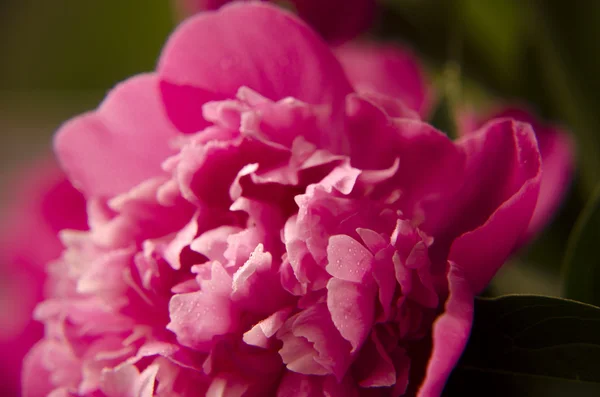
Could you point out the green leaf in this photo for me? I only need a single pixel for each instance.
(582, 261)
(523, 345)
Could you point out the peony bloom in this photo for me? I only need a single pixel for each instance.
(259, 228)
(558, 159)
(336, 20)
(43, 202)
(394, 71)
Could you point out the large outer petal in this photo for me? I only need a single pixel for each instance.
(213, 54)
(450, 334)
(121, 144)
(387, 69)
(558, 158)
(503, 193)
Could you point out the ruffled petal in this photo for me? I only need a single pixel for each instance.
(197, 317)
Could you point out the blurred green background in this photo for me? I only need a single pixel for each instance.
(58, 58)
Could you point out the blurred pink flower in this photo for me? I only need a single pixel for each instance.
(335, 20)
(259, 228)
(558, 159)
(42, 203)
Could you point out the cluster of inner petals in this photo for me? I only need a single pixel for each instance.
(260, 262)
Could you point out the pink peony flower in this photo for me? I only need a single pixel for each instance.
(558, 158)
(259, 228)
(43, 202)
(336, 20)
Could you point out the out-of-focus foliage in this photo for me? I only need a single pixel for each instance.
(79, 45)
(530, 346)
(582, 262)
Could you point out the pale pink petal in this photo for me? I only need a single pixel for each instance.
(265, 329)
(119, 381)
(119, 145)
(199, 316)
(352, 308)
(348, 259)
(35, 377)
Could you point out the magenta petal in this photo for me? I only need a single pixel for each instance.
(386, 69)
(123, 143)
(221, 51)
(558, 160)
(481, 251)
(450, 334)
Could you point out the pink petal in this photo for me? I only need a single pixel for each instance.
(256, 284)
(219, 52)
(259, 334)
(35, 377)
(120, 381)
(312, 344)
(352, 308)
(558, 160)
(450, 334)
(387, 69)
(121, 144)
(511, 192)
(348, 259)
(199, 316)
(373, 240)
(415, 143)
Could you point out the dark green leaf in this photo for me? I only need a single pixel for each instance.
(530, 346)
(582, 261)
